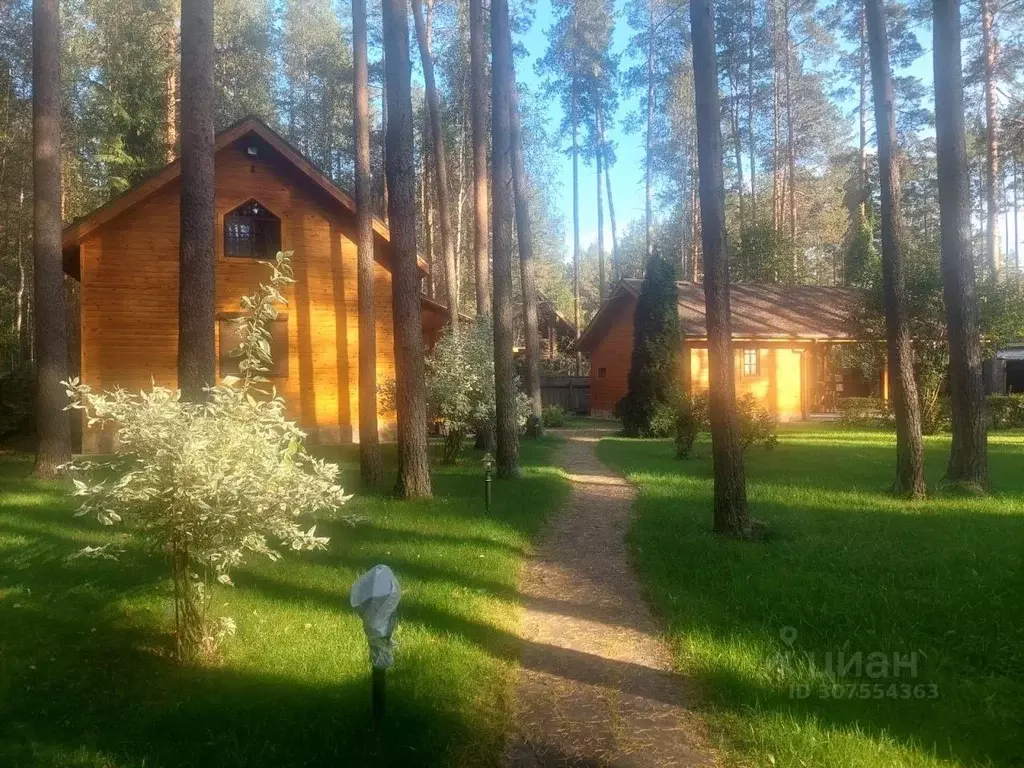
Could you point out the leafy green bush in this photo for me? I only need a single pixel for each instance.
(864, 412)
(460, 385)
(208, 483)
(758, 425)
(691, 419)
(1006, 411)
(17, 395)
(554, 416)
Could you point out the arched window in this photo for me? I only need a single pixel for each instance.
(252, 232)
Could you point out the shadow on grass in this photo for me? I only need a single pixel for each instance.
(86, 677)
(851, 570)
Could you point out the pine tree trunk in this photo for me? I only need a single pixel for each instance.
(196, 353)
(602, 279)
(1016, 219)
(171, 94)
(616, 270)
(648, 179)
(750, 113)
(52, 422)
(413, 465)
(968, 459)
(506, 426)
(527, 265)
(574, 118)
(995, 257)
(478, 94)
(738, 149)
(863, 116)
(909, 456)
(776, 152)
(369, 440)
(790, 137)
(440, 164)
(731, 516)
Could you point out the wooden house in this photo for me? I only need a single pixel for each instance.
(268, 198)
(781, 340)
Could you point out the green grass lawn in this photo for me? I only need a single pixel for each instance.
(85, 673)
(849, 570)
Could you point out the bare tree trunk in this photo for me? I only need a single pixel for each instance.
(616, 269)
(21, 299)
(413, 464)
(1017, 239)
(369, 440)
(502, 85)
(171, 93)
(995, 257)
(527, 266)
(863, 116)
(790, 135)
(909, 452)
(968, 459)
(574, 118)
(602, 280)
(478, 93)
(750, 113)
(648, 180)
(196, 353)
(730, 506)
(440, 169)
(738, 148)
(775, 116)
(52, 423)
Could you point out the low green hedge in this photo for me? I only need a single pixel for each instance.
(1004, 412)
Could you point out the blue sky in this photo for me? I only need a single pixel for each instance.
(628, 171)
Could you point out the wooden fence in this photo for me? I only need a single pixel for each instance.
(570, 392)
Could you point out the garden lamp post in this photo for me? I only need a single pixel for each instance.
(488, 462)
(375, 597)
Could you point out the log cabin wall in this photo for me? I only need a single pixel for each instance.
(129, 275)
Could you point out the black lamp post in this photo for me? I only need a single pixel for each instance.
(488, 462)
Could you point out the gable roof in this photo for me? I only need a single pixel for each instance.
(77, 230)
(758, 311)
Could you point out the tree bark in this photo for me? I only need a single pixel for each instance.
(196, 353)
(527, 266)
(995, 258)
(369, 440)
(738, 148)
(648, 180)
(440, 163)
(790, 136)
(863, 117)
(775, 116)
(750, 113)
(413, 464)
(53, 425)
(478, 115)
(574, 118)
(968, 458)
(1016, 220)
(602, 279)
(731, 516)
(909, 455)
(616, 271)
(506, 426)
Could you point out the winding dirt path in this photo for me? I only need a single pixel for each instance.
(596, 687)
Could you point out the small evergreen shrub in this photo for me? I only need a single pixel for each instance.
(758, 426)
(647, 410)
(554, 416)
